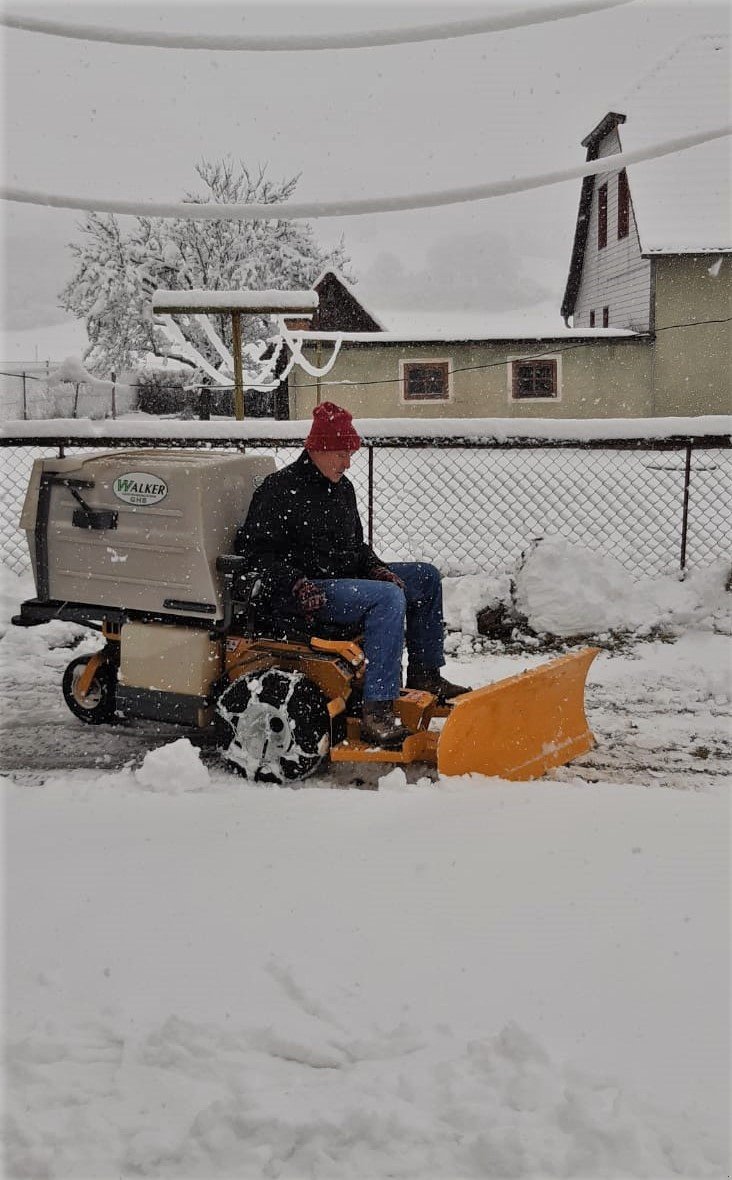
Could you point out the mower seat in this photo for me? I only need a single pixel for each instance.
(240, 591)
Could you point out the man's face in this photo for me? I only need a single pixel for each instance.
(331, 464)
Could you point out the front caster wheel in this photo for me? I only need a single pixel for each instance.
(97, 706)
(275, 726)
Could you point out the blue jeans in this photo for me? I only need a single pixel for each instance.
(383, 609)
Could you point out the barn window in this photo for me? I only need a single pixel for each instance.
(602, 216)
(425, 380)
(623, 205)
(592, 318)
(532, 379)
(606, 317)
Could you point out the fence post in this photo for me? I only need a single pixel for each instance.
(685, 511)
(25, 400)
(371, 496)
(114, 395)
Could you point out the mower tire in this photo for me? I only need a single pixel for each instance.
(275, 726)
(98, 706)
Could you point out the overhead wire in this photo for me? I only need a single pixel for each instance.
(310, 42)
(295, 211)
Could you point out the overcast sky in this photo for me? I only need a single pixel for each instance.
(117, 121)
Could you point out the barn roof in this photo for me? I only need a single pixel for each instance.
(681, 202)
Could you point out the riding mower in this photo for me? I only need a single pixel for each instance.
(135, 544)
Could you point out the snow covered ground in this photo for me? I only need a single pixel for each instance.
(432, 978)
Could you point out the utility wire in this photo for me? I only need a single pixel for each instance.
(296, 211)
(313, 41)
(397, 380)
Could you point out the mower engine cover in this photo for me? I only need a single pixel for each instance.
(138, 529)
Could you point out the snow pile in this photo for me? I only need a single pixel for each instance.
(72, 369)
(174, 768)
(394, 780)
(563, 589)
(463, 597)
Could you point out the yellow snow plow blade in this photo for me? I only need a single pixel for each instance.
(520, 727)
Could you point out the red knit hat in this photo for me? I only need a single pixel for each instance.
(332, 430)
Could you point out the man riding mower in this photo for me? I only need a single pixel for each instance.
(281, 636)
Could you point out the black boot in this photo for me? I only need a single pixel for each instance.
(430, 680)
(380, 726)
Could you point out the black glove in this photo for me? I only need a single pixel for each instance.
(308, 596)
(382, 573)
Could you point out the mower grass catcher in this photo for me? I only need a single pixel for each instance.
(135, 544)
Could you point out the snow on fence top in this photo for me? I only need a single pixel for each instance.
(495, 430)
(199, 301)
(495, 22)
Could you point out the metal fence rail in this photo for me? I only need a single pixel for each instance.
(473, 505)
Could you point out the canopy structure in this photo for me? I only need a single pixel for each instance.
(236, 304)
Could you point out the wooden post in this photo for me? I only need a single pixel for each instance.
(238, 375)
(317, 379)
(114, 395)
(76, 400)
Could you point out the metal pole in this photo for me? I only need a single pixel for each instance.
(238, 375)
(685, 513)
(25, 400)
(371, 496)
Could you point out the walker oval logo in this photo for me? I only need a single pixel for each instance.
(140, 488)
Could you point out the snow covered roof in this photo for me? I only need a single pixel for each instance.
(681, 202)
(329, 278)
(413, 324)
(339, 307)
(470, 324)
(458, 335)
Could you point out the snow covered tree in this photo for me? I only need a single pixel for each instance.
(117, 272)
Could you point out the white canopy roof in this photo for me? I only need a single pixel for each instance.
(199, 301)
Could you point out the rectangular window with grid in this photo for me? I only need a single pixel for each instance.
(602, 217)
(425, 380)
(623, 205)
(534, 379)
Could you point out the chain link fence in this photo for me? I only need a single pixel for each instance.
(473, 506)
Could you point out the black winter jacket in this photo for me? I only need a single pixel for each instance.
(301, 524)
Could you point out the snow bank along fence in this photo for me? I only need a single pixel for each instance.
(471, 505)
